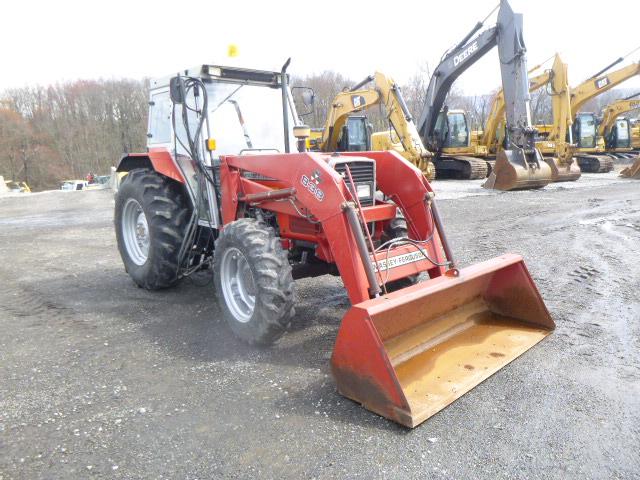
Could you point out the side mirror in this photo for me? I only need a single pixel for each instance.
(176, 90)
(308, 98)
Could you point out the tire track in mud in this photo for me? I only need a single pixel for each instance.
(21, 302)
(609, 245)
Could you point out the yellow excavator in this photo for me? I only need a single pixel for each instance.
(344, 131)
(616, 130)
(623, 136)
(557, 146)
(591, 150)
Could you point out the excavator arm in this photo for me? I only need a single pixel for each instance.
(562, 165)
(521, 166)
(496, 113)
(386, 91)
(401, 121)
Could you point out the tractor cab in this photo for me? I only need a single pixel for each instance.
(210, 111)
(244, 112)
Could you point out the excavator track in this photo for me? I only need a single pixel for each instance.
(595, 163)
(461, 168)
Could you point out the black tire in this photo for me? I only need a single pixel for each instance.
(167, 211)
(397, 228)
(272, 282)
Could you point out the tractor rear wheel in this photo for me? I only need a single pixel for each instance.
(253, 280)
(151, 217)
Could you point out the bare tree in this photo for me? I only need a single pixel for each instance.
(67, 130)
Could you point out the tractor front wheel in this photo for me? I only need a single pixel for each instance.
(253, 280)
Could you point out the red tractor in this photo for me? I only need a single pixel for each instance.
(219, 187)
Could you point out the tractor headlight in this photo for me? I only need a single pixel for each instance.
(363, 190)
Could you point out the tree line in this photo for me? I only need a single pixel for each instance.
(64, 131)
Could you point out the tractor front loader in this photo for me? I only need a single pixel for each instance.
(219, 188)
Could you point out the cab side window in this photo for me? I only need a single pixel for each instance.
(160, 118)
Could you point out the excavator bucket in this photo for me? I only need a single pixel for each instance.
(409, 354)
(632, 171)
(563, 172)
(513, 171)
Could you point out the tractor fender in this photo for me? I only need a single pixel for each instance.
(159, 160)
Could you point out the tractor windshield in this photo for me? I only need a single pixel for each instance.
(246, 118)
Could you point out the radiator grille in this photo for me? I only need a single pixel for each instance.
(363, 173)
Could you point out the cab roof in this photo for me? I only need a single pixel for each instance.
(210, 73)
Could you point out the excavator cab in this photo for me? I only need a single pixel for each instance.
(620, 134)
(452, 129)
(585, 130)
(355, 135)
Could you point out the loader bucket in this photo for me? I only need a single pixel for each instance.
(409, 354)
(511, 171)
(632, 171)
(563, 172)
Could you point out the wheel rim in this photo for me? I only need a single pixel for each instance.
(238, 285)
(135, 231)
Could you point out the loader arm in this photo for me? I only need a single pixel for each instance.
(593, 87)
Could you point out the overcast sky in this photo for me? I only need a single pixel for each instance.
(49, 41)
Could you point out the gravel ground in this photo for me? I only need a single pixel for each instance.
(101, 379)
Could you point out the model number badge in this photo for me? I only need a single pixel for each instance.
(602, 82)
(311, 184)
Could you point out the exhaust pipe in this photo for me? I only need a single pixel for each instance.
(285, 104)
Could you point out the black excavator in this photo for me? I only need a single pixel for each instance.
(519, 165)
